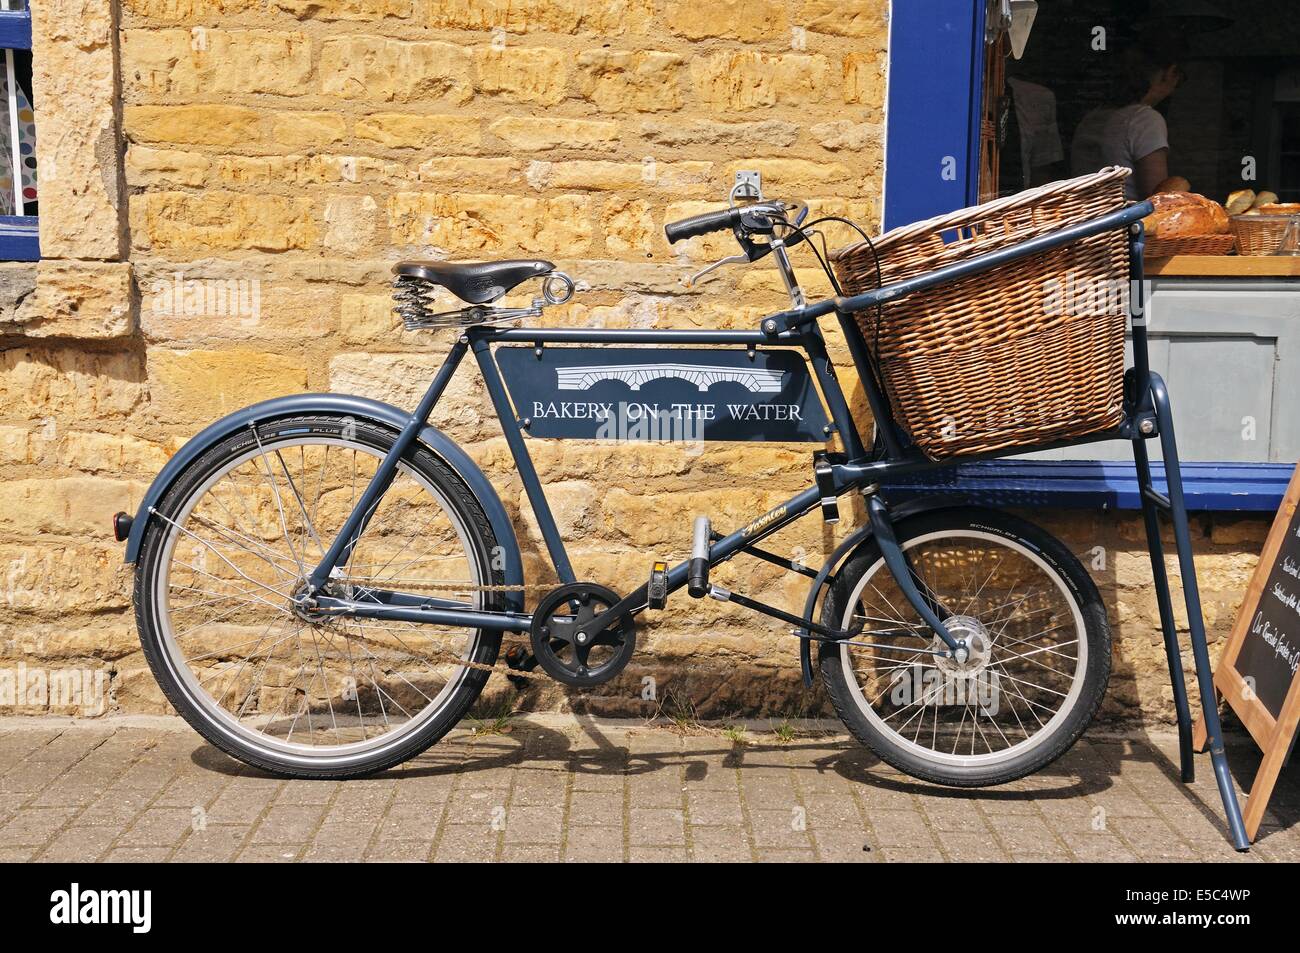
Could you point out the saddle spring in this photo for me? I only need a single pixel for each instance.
(415, 300)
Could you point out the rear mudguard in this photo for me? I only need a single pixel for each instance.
(361, 408)
(855, 540)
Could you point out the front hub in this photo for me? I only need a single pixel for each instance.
(978, 643)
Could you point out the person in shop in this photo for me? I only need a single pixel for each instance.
(1130, 131)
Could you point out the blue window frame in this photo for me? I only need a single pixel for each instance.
(19, 239)
(932, 116)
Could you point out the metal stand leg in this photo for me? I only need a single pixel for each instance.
(1195, 621)
(1160, 575)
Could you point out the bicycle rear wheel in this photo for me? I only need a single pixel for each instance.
(282, 689)
(1040, 650)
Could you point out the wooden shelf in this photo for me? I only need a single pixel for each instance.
(1224, 266)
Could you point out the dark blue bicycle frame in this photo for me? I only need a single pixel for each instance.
(1147, 415)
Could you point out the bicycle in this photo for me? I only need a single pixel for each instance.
(323, 581)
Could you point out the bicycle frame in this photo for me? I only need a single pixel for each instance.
(1147, 415)
(855, 469)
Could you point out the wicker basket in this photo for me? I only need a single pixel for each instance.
(1190, 245)
(1023, 354)
(1259, 234)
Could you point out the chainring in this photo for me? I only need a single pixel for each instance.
(564, 645)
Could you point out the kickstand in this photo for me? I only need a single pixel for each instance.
(1173, 504)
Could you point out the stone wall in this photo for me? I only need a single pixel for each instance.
(290, 150)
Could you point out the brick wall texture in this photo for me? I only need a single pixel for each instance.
(305, 145)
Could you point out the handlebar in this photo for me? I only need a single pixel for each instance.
(685, 228)
(760, 218)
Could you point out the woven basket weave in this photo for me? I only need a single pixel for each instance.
(1190, 245)
(1259, 234)
(1026, 353)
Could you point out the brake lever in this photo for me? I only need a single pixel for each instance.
(694, 279)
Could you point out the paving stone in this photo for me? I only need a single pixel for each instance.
(530, 853)
(787, 829)
(466, 842)
(158, 827)
(534, 825)
(80, 844)
(596, 808)
(971, 847)
(900, 829)
(138, 855)
(657, 855)
(217, 843)
(400, 850)
(720, 844)
(35, 826)
(660, 827)
(716, 807)
(594, 844)
(268, 854)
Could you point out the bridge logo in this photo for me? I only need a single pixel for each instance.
(754, 379)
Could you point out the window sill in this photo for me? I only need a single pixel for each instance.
(1223, 266)
(1099, 484)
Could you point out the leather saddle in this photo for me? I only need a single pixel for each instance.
(476, 282)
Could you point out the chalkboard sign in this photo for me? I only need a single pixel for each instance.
(1257, 673)
(1270, 650)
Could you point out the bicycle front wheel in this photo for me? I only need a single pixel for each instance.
(1039, 649)
(302, 695)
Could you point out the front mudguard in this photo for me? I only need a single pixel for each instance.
(852, 543)
(362, 409)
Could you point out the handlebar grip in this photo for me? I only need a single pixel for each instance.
(720, 221)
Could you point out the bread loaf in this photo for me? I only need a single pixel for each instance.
(1240, 200)
(1277, 208)
(1264, 198)
(1179, 214)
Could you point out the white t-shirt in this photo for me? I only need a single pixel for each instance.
(1110, 136)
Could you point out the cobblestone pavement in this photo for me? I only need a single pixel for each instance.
(556, 788)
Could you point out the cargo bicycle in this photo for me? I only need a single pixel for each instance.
(323, 581)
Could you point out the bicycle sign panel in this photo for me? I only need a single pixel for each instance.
(643, 394)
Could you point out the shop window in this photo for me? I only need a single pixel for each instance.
(1206, 92)
(19, 196)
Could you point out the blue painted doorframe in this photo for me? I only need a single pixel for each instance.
(932, 112)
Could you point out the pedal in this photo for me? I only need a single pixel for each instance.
(822, 462)
(656, 590)
(521, 660)
(697, 571)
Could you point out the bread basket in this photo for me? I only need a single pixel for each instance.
(1190, 245)
(1260, 234)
